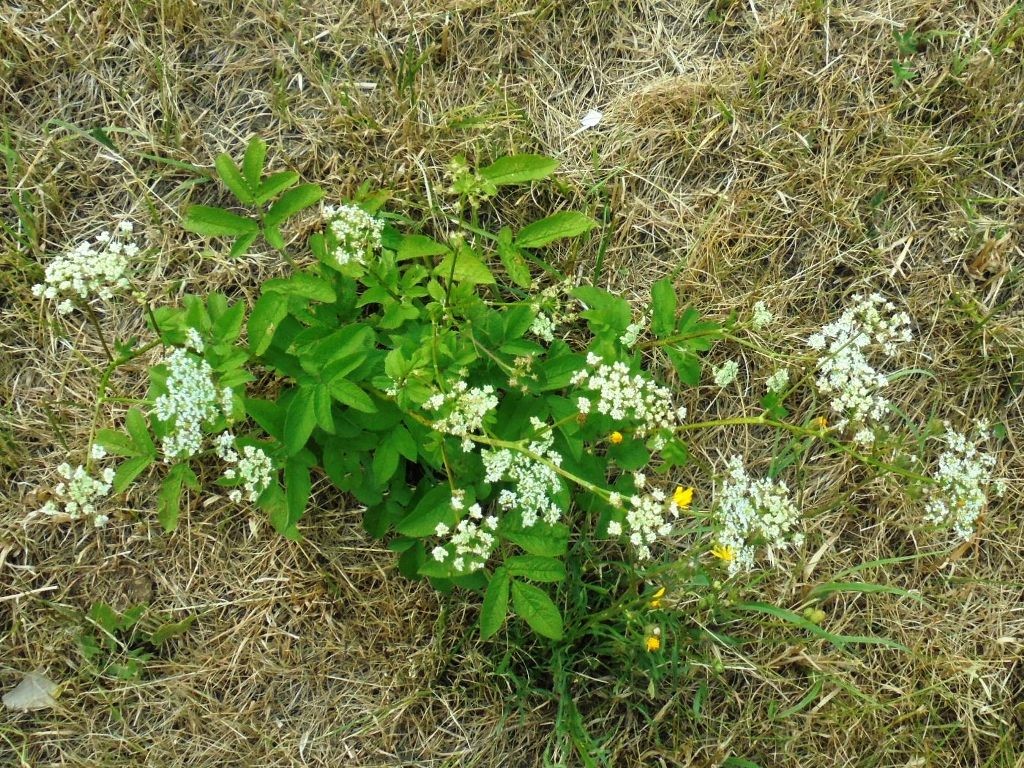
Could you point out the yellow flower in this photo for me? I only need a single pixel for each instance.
(615, 438)
(653, 643)
(656, 600)
(821, 422)
(723, 553)
(683, 497)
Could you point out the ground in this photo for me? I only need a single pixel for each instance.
(792, 152)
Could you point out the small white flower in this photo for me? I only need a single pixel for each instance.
(468, 407)
(89, 270)
(98, 452)
(543, 327)
(726, 373)
(614, 528)
(632, 333)
(778, 380)
(192, 401)
(762, 316)
(962, 479)
(80, 493)
(441, 529)
(353, 233)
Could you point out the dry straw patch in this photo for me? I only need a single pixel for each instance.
(754, 150)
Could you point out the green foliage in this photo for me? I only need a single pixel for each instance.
(118, 645)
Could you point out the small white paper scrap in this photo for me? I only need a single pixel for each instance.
(34, 692)
(591, 119)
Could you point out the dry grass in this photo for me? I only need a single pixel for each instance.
(754, 149)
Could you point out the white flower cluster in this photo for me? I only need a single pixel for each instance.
(647, 519)
(192, 400)
(90, 270)
(357, 232)
(469, 407)
(762, 316)
(754, 511)
(631, 334)
(778, 381)
(252, 466)
(473, 539)
(624, 396)
(535, 482)
(79, 493)
(543, 327)
(962, 479)
(845, 372)
(726, 373)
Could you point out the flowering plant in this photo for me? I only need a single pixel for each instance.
(503, 439)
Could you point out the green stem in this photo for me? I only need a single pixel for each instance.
(91, 314)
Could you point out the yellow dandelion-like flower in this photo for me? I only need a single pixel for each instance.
(615, 438)
(725, 554)
(683, 497)
(821, 422)
(656, 600)
(653, 641)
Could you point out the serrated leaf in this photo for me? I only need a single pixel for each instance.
(468, 268)
(129, 470)
(291, 202)
(385, 462)
(352, 395)
(269, 310)
(552, 542)
(297, 487)
(513, 261)
(533, 605)
(435, 507)
(304, 285)
(242, 244)
(252, 163)
(495, 606)
(171, 629)
(138, 428)
(555, 227)
(518, 169)
(419, 246)
(275, 184)
(663, 308)
(116, 443)
(273, 236)
(300, 420)
(168, 500)
(233, 179)
(536, 568)
(687, 365)
(215, 222)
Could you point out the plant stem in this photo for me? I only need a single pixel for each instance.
(91, 313)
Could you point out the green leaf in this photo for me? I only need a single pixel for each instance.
(252, 163)
(291, 202)
(663, 308)
(385, 461)
(297, 486)
(349, 394)
(556, 227)
(468, 268)
(549, 541)
(300, 420)
(420, 246)
(302, 284)
(435, 507)
(518, 169)
(242, 244)
(129, 470)
(533, 605)
(274, 502)
(214, 222)
(822, 591)
(276, 184)
(687, 365)
(495, 607)
(269, 310)
(512, 259)
(838, 640)
(536, 568)
(171, 629)
(273, 236)
(233, 180)
(168, 499)
(117, 443)
(138, 428)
